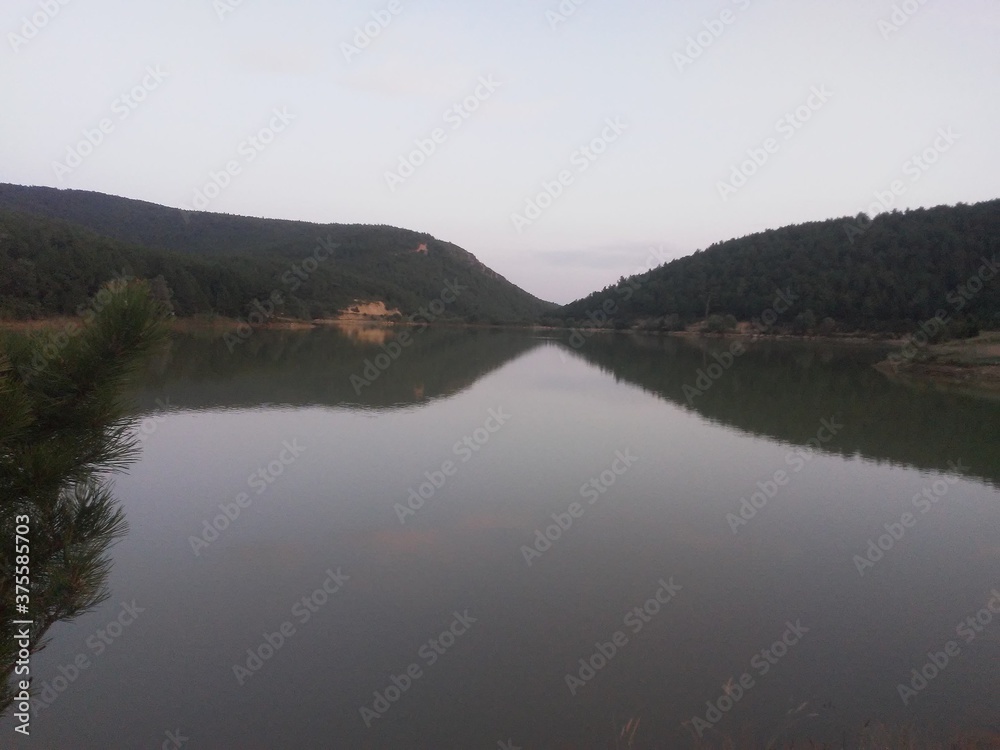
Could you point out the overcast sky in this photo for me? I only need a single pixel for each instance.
(816, 105)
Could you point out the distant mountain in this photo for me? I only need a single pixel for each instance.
(58, 246)
(889, 273)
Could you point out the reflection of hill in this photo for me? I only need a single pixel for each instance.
(316, 367)
(781, 390)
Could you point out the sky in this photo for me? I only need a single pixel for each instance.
(565, 144)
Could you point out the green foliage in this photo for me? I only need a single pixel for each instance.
(827, 328)
(884, 275)
(58, 246)
(805, 322)
(720, 324)
(63, 427)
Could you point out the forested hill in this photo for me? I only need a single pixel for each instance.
(58, 246)
(885, 274)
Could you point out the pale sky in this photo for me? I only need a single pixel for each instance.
(871, 93)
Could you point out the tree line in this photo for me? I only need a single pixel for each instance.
(883, 274)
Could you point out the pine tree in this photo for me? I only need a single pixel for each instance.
(64, 427)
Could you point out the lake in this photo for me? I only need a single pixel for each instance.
(487, 539)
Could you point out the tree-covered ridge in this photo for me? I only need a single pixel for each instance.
(58, 246)
(845, 274)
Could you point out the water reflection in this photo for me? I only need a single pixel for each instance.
(366, 368)
(884, 420)
(662, 525)
(777, 389)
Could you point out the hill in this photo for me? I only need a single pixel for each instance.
(889, 273)
(58, 246)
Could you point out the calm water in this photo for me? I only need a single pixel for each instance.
(459, 612)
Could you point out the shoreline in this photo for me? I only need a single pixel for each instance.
(961, 362)
(222, 323)
(967, 365)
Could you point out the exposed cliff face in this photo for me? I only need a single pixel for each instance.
(367, 311)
